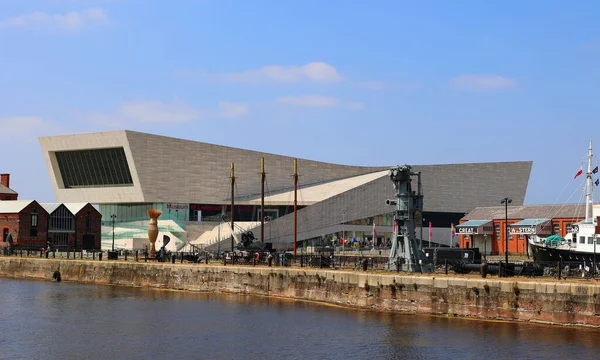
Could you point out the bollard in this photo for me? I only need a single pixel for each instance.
(145, 257)
(484, 270)
(446, 265)
(67, 254)
(365, 264)
(172, 259)
(100, 256)
(559, 269)
(54, 254)
(224, 260)
(81, 254)
(182, 257)
(93, 254)
(136, 256)
(126, 252)
(21, 252)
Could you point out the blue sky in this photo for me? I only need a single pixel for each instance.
(352, 82)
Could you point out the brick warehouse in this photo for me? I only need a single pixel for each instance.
(74, 226)
(27, 223)
(486, 227)
(6, 193)
(66, 226)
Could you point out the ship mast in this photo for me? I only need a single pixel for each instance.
(588, 186)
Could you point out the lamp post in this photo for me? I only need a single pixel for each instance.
(485, 247)
(506, 201)
(113, 217)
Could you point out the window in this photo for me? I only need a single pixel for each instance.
(488, 229)
(556, 229)
(582, 239)
(34, 223)
(497, 231)
(590, 240)
(94, 168)
(61, 220)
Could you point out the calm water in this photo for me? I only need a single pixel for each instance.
(40, 320)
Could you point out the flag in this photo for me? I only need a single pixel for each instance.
(394, 227)
(595, 170)
(342, 242)
(374, 231)
(597, 182)
(430, 230)
(578, 173)
(453, 230)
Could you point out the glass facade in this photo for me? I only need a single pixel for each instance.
(183, 212)
(94, 168)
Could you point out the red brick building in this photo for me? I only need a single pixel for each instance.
(73, 226)
(27, 223)
(6, 193)
(486, 227)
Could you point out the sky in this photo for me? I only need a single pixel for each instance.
(351, 82)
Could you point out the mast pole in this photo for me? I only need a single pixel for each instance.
(262, 200)
(588, 186)
(295, 205)
(232, 204)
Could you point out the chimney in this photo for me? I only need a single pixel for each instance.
(5, 180)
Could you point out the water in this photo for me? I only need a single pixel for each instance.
(41, 320)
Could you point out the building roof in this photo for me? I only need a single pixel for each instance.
(564, 211)
(74, 208)
(6, 190)
(474, 223)
(13, 206)
(50, 207)
(530, 222)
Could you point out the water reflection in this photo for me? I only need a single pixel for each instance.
(64, 321)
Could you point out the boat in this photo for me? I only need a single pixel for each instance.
(579, 244)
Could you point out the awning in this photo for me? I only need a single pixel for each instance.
(531, 227)
(475, 227)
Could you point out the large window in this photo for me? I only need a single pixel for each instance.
(61, 220)
(94, 168)
(33, 231)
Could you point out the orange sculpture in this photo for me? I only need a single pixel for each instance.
(153, 229)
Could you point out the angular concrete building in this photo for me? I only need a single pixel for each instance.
(126, 173)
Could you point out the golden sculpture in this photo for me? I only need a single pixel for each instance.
(153, 229)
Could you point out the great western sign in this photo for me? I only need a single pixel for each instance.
(467, 230)
(525, 229)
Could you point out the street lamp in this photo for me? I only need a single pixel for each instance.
(485, 247)
(506, 201)
(113, 217)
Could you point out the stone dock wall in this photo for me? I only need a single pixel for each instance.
(547, 302)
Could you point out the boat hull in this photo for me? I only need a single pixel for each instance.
(546, 254)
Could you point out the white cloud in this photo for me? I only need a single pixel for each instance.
(482, 82)
(176, 111)
(157, 111)
(318, 72)
(318, 101)
(68, 21)
(27, 128)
